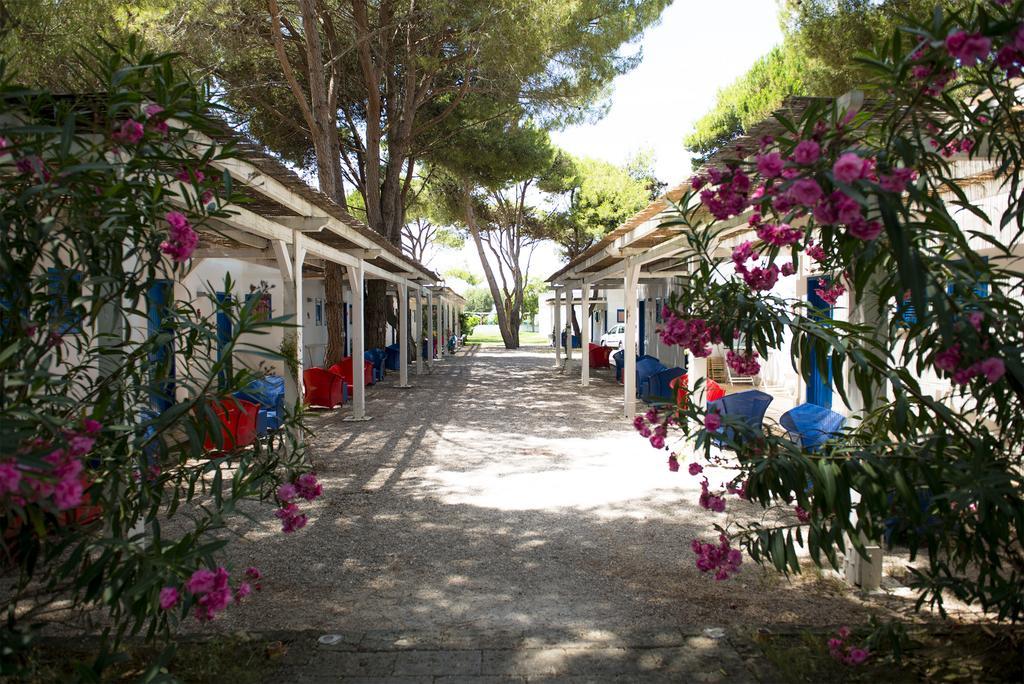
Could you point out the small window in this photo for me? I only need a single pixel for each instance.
(318, 312)
(620, 315)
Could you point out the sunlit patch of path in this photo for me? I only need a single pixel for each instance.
(499, 496)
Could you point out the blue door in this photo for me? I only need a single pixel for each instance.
(159, 297)
(224, 332)
(819, 388)
(641, 322)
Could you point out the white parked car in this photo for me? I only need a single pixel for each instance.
(615, 337)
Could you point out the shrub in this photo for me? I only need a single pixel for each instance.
(110, 501)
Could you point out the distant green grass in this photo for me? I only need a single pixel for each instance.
(490, 335)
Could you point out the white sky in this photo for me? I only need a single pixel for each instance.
(698, 47)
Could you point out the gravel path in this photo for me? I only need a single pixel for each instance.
(497, 494)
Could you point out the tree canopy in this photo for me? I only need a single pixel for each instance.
(817, 58)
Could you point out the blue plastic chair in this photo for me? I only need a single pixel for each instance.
(377, 357)
(811, 425)
(394, 359)
(657, 388)
(646, 366)
(268, 394)
(749, 407)
(618, 359)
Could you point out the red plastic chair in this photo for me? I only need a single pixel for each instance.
(344, 369)
(322, 388)
(600, 356)
(713, 390)
(238, 424)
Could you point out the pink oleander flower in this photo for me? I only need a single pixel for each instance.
(79, 445)
(975, 318)
(948, 359)
(788, 269)
(152, 109)
(10, 477)
(802, 515)
(856, 656)
(770, 165)
(743, 364)
(129, 132)
(92, 427)
(169, 597)
(244, 589)
(816, 252)
(848, 168)
(287, 492)
(806, 152)
(181, 239)
(761, 279)
(673, 463)
(202, 581)
(721, 559)
(846, 208)
(291, 519)
(897, 180)
(67, 494)
(658, 441)
(651, 416)
(805, 191)
(253, 573)
(638, 423)
(709, 501)
(693, 334)
(695, 468)
(968, 48)
(992, 368)
(780, 235)
(830, 294)
(865, 230)
(712, 421)
(212, 603)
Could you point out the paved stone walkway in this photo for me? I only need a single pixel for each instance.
(497, 523)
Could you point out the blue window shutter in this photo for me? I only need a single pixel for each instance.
(64, 318)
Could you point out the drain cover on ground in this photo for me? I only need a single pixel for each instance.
(329, 639)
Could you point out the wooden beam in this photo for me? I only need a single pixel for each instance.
(243, 253)
(303, 224)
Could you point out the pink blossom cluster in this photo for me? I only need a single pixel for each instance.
(802, 515)
(695, 468)
(181, 239)
(1010, 56)
(951, 360)
(712, 421)
(722, 559)
(969, 48)
(830, 292)
(694, 334)
(730, 194)
(673, 463)
(779, 235)
(953, 146)
(651, 427)
(305, 487)
(211, 591)
(740, 491)
(842, 649)
(129, 132)
(757, 278)
(897, 179)
(62, 483)
(709, 501)
(743, 364)
(154, 120)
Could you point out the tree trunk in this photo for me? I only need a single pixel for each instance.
(377, 314)
(334, 303)
(509, 335)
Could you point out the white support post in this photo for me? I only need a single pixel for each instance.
(403, 336)
(289, 263)
(430, 327)
(440, 327)
(356, 279)
(557, 341)
(568, 327)
(631, 279)
(585, 332)
(419, 330)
